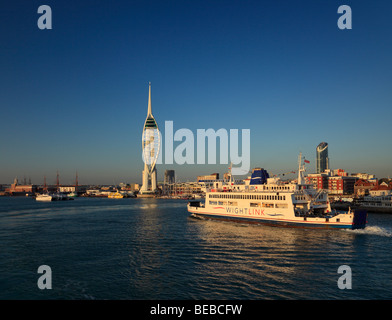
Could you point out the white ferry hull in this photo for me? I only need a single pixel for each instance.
(357, 220)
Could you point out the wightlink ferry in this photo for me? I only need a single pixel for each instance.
(271, 201)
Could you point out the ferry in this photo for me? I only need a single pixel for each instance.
(379, 204)
(115, 195)
(271, 201)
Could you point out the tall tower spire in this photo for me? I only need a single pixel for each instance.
(149, 113)
(151, 140)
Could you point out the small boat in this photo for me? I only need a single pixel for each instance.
(72, 194)
(115, 195)
(52, 197)
(44, 197)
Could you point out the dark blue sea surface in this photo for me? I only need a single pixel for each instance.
(151, 249)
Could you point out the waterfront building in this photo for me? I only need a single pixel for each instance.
(210, 177)
(362, 187)
(182, 189)
(364, 176)
(151, 140)
(72, 188)
(334, 184)
(20, 189)
(169, 177)
(322, 161)
(129, 186)
(340, 172)
(318, 180)
(382, 189)
(341, 185)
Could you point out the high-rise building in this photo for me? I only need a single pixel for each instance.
(151, 141)
(169, 177)
(322, 161)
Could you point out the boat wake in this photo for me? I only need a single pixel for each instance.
(373, 230)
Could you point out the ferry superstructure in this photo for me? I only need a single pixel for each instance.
(271, 201)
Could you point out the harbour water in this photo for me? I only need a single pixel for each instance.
(150, 249)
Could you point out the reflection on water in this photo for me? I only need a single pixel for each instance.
(258, 259)
(152, 249)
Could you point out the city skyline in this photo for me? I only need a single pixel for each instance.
(74, 97)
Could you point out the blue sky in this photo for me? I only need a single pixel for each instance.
(74, 98)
